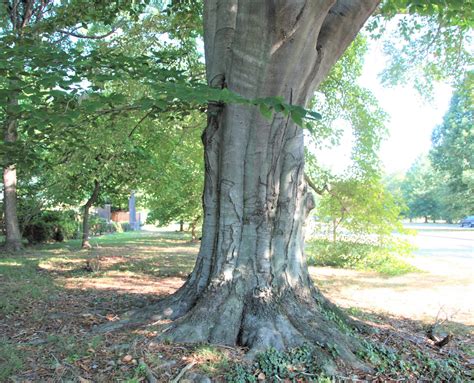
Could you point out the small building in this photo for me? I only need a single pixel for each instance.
(132, 216)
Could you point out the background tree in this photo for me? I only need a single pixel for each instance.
(173, 192)
(35, 65)
(452, 153)
(421, 191)
(361, 207)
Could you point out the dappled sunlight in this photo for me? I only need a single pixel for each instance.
(127, 283)
(61, 264)
(10, 264)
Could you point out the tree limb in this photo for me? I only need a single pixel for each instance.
(139, 122)
(312, 185)
(81, 36)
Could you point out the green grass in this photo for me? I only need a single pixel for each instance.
(25, 277)
(43, 280)
(212, 360)
(22, 283)
(11, 359)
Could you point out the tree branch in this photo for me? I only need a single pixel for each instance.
(139, 122)
(94, 195)
(81, 36)
(337, 33)
(27, 13)
(313, 186)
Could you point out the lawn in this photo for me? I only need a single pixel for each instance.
(53, 296)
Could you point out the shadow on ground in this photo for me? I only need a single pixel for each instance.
(50, 303)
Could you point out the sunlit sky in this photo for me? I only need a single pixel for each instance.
(411, 119)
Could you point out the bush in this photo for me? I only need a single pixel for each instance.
(126, 226)
(97, 225)
(381, 257)
(116, 227)
(51, 225)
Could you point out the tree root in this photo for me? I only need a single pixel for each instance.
(168, 308)
(223, 315)
(264, 323)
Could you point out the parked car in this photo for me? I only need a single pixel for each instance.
(468, 221)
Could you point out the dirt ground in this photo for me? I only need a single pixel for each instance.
(52, 297)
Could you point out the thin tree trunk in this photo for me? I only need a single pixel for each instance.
(20, 17)
(13, 233)
(193, 226)
(85, 218)
(181, 226)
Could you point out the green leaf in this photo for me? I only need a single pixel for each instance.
(266, 111)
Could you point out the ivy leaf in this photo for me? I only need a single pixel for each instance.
(266, 111)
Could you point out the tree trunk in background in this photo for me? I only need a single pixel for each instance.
(181, 226)
(85, 217)
(193, 226)
(20, 14)
(10, 135)
(250, 285)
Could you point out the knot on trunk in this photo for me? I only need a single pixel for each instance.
(309, 203)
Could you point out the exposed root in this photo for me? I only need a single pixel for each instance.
(12, 246)
(168, 308)
(264, 322)
(223, 314)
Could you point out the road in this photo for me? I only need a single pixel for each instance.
(444, 250)
(444, 288)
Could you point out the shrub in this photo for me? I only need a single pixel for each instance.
(97, 225)
(116, 227)
(126, 226)
(381, 257)
(51, 225)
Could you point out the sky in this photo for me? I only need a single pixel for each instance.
(411, 119)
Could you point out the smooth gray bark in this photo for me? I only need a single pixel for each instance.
(250, 285)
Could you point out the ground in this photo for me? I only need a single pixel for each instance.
(52, 298)
(444, 254)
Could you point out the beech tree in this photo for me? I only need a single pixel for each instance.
(250, 285)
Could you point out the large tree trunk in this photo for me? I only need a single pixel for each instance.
(13, 234)
(85, 217)
(250, 285)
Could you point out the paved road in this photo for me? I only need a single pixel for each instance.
(444, 250)
(445, 288)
